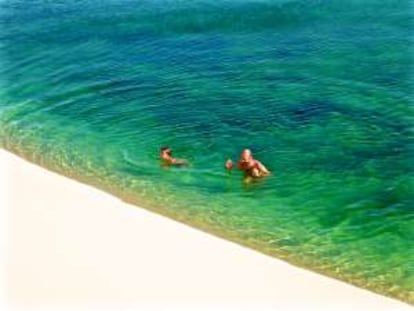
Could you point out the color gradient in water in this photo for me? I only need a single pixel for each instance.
(321, 91)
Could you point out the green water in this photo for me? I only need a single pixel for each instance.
(321, 91)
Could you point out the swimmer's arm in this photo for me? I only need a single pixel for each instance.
(262, 168)
(179, 161)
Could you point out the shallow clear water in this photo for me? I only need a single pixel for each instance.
(319, 90)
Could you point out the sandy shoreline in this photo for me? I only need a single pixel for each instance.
(71, 245)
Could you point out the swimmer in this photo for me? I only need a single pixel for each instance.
(252, 167)
(168, 160)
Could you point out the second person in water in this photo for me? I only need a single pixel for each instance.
(167, 158)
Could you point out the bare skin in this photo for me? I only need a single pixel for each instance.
(252, 167)
(229, 164)
(168, 159)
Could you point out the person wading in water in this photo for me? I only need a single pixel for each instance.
(249, 165)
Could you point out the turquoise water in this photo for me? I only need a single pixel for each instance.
(319, 90)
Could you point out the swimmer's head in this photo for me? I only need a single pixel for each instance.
(246, 154)
(166, 150)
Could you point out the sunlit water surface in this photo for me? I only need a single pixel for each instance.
(319, 90)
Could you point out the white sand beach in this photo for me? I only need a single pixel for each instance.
(71, 246)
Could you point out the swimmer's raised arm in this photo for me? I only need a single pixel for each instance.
(229, 164)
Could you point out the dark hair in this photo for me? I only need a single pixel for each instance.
(164, 148)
